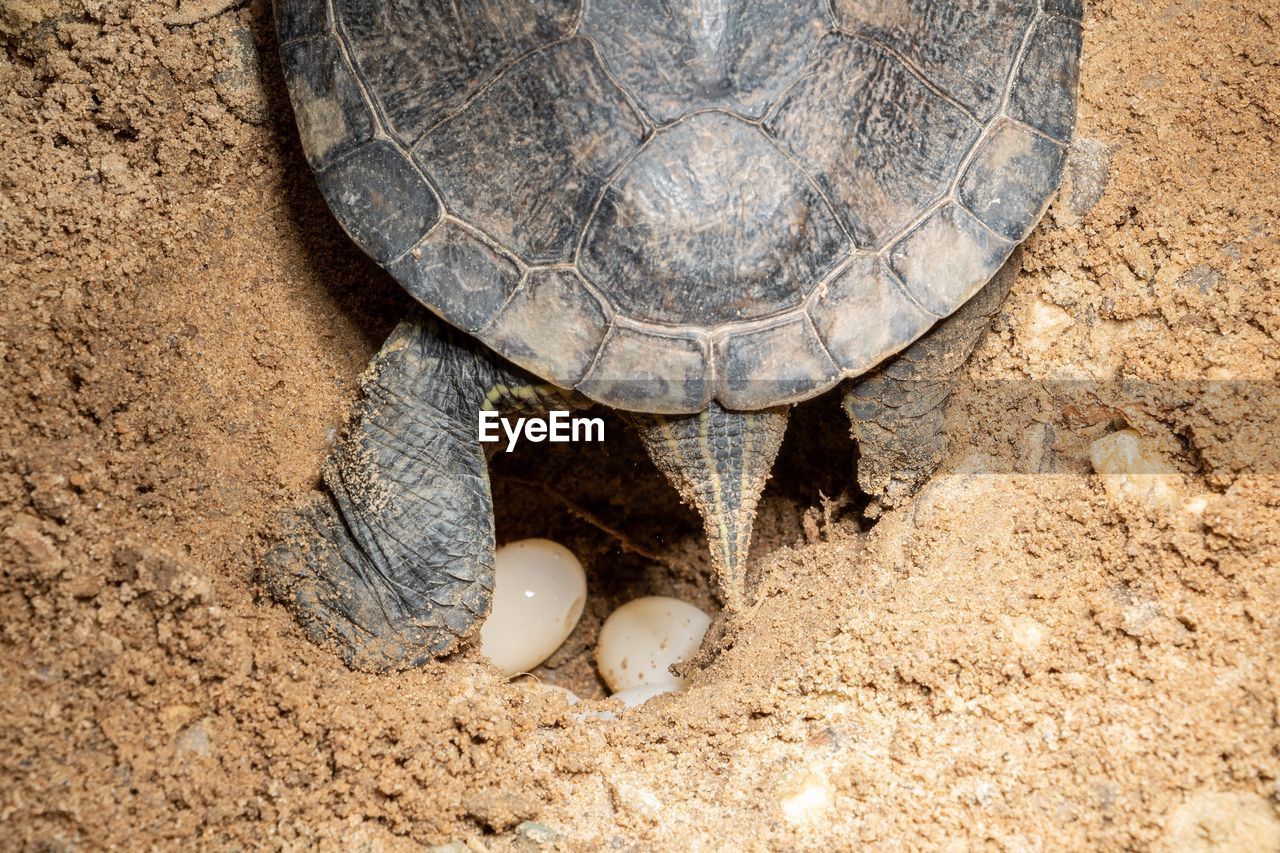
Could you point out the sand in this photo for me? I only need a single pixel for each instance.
(1026, 656)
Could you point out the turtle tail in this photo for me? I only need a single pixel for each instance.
(719, 461)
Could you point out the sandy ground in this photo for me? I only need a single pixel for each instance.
(1027, 656)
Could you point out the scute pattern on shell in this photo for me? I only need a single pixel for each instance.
(664, 204)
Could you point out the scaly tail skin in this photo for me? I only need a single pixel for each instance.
(719, 461)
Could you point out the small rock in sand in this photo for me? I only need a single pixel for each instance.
(193, 740)
(238, 76)
(1088, 172)
(534, 835)
(1134, 472)
(1222, 821)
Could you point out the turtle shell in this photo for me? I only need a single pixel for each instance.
(661, 204)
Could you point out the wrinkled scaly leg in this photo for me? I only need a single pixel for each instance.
(719, 462)
(897, 411)
(394, 565)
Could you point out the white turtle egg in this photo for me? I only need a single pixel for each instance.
(634, 697)
(539, 590)
(569, 695)
(643, 637)
(545, 689)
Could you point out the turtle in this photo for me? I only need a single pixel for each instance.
(697, 214)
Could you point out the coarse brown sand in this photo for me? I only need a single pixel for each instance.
(1026, 656)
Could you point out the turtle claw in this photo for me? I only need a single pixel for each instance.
(393, 566)
(320, 573)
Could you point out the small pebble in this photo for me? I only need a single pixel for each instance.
(539, 590)
(809, 798)
(237, 76)
(536, 835)
(1133, 470)
(1088, 173)
(642, 638)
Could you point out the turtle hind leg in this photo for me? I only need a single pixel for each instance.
(394, 564)
(719, 462)
(897, 411)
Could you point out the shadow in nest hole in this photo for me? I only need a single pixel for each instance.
(608, 504)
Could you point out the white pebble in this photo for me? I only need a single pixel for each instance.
(642, 638)
(809, 798)
(539, 590)
(1133, 470)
